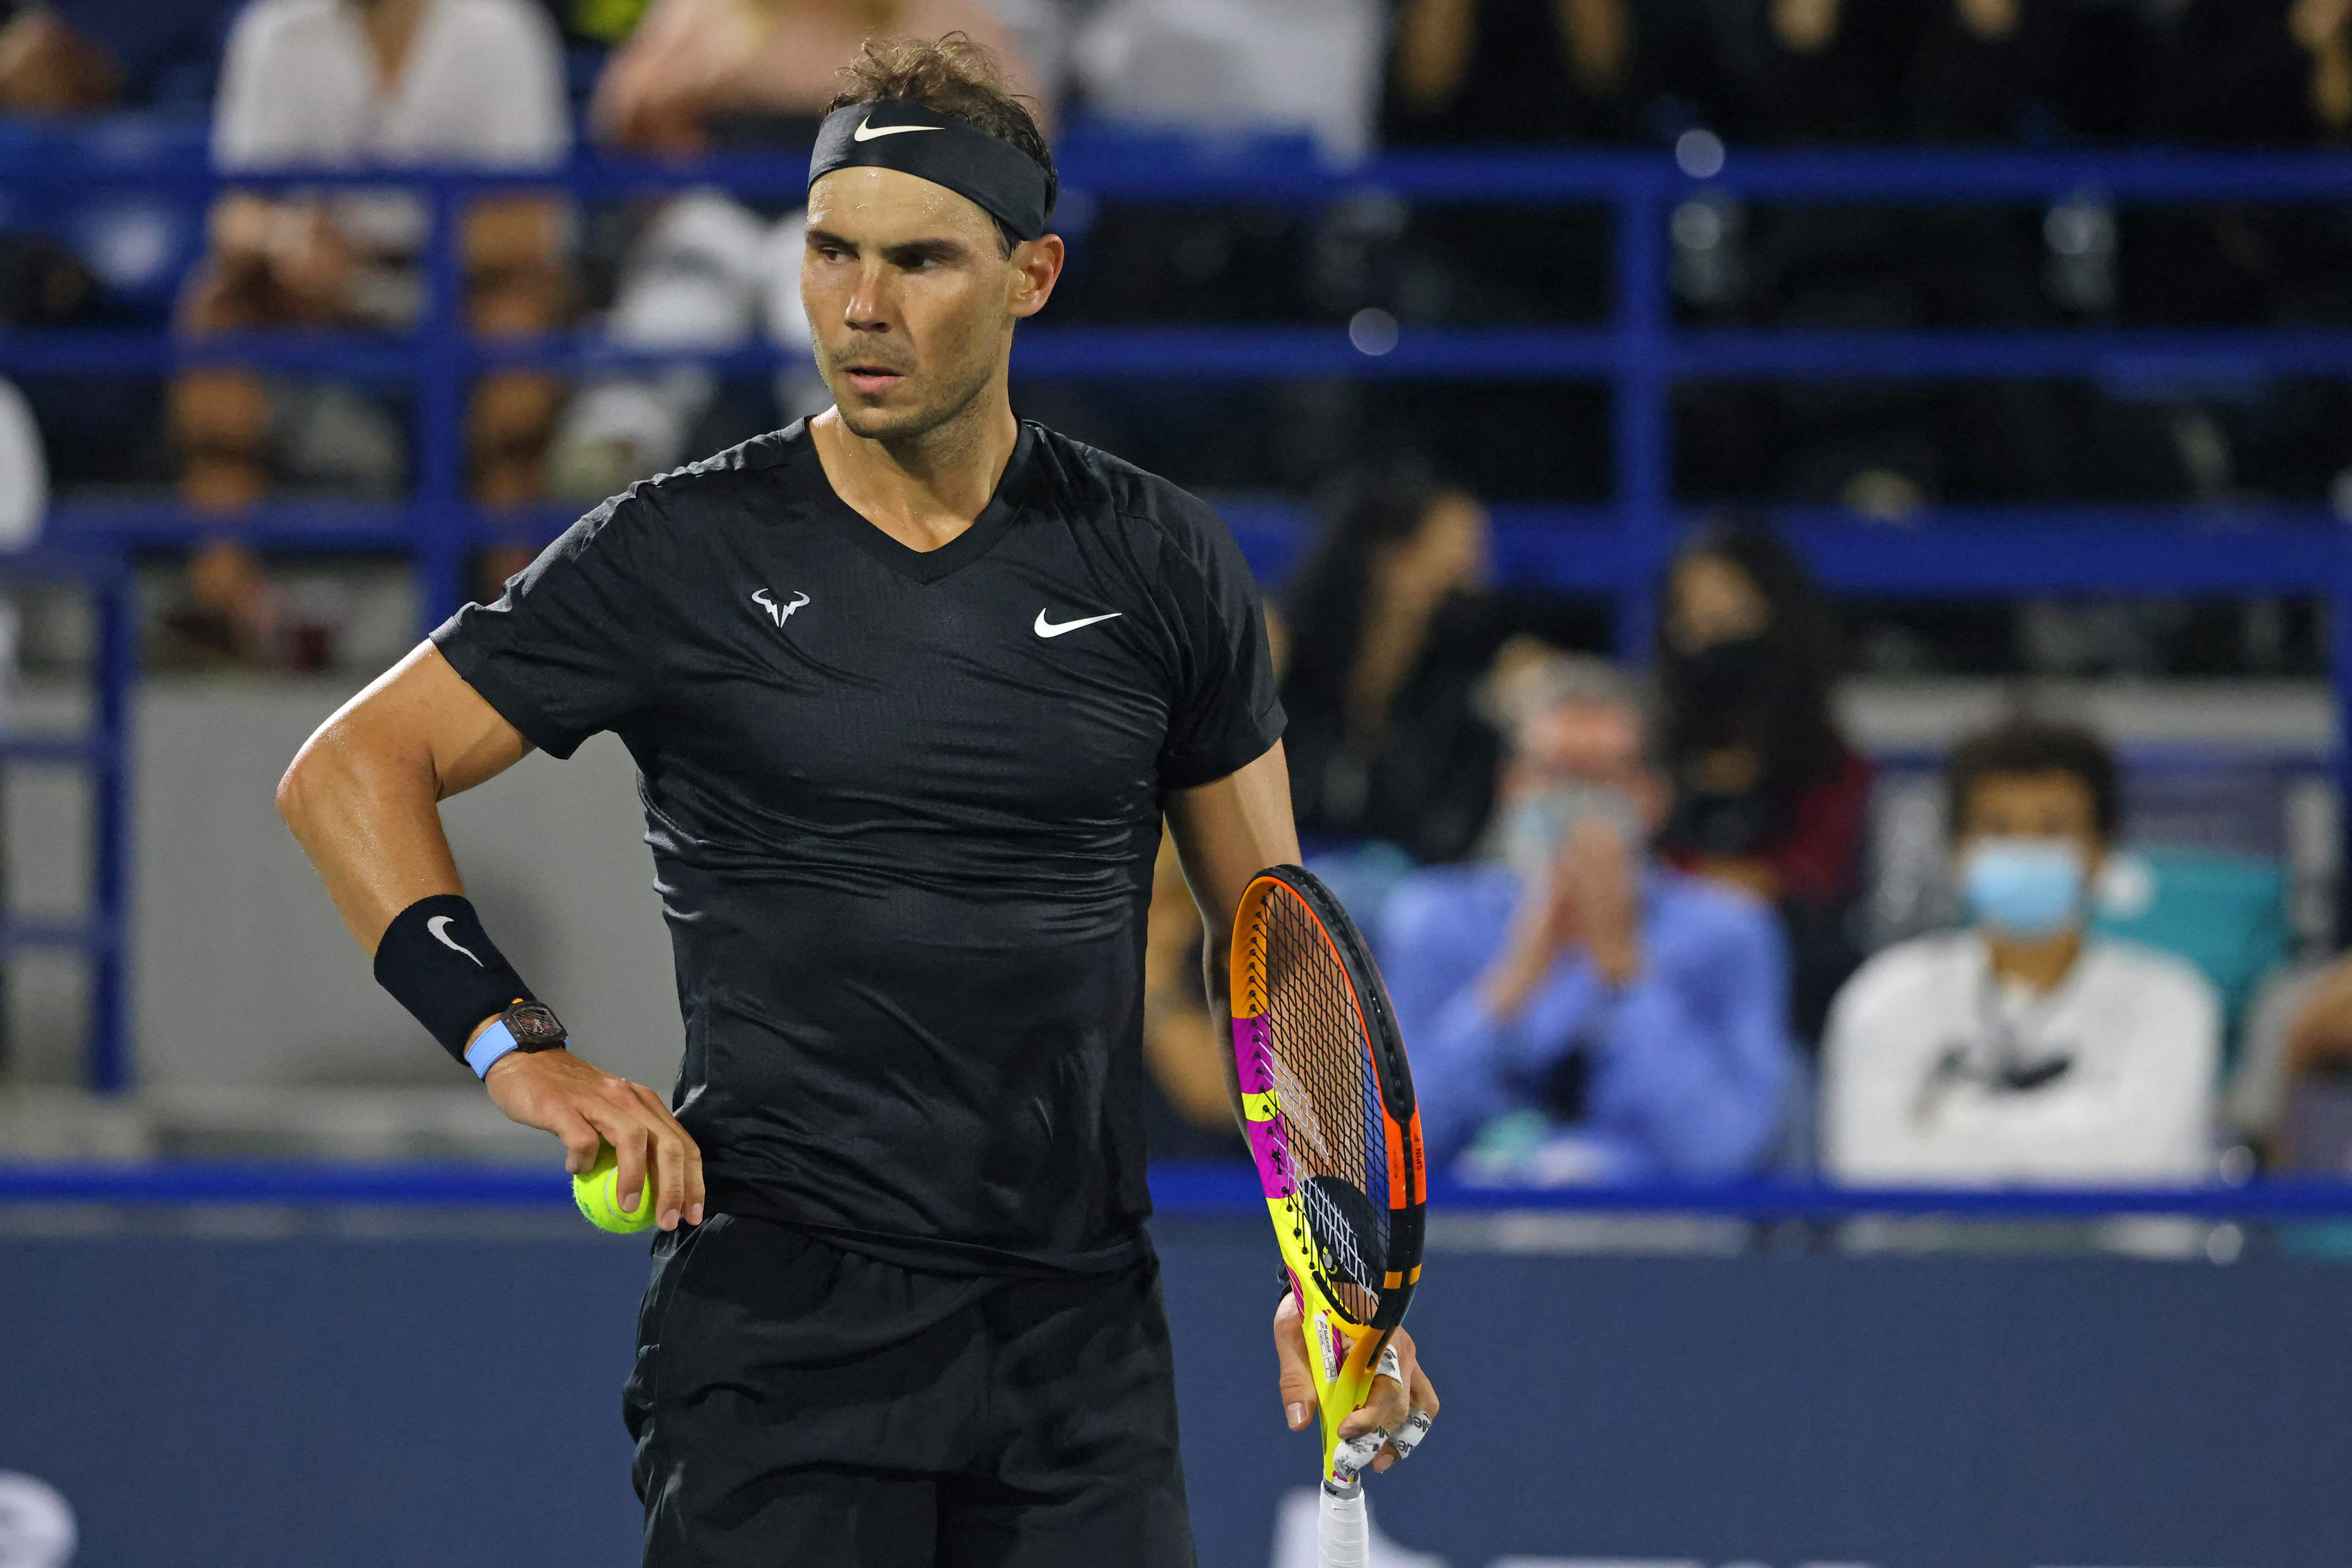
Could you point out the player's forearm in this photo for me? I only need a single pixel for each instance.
(367, 818)
(1226, 833)
(1216, 976)
(361, 795)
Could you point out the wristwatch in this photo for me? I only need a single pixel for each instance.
(526, 1026)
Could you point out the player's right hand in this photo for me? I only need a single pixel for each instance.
(585, 1106)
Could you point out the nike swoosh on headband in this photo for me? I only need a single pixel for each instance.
(867, 131)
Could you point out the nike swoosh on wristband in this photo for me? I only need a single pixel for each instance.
(867, 131)
(439, 926)
(1046, 628)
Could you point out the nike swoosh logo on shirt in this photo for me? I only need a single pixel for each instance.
(867, 131)
(1046, 628)
(439, 926)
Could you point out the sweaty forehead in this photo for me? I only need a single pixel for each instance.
(890, 206)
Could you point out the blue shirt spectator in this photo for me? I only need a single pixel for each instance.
(1594, 1018)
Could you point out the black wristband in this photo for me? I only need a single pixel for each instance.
(439, 963)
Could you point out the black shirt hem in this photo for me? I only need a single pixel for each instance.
(927, 1254)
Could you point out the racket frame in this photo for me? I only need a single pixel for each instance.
(1341, 1350)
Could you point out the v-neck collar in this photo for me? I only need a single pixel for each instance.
(927, 565)
(388, 97)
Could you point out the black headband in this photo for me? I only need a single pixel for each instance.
(1009, 185)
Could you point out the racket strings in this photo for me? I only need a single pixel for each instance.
(1328, 1099)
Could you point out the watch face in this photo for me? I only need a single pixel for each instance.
(534, 1027)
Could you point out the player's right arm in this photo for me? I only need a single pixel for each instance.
(363, 797)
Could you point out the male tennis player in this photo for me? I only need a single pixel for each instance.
(909, 687)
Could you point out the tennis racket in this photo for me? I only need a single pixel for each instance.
(1327, 1101)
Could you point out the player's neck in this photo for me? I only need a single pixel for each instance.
(926, 490)
(2037, 964)
(392, 26)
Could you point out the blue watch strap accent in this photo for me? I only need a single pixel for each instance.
(489, 1047)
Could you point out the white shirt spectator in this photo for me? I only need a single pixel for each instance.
(1933, 1071)
(1229, 66)
(482, 84)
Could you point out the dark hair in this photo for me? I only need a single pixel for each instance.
(1381, 503)
(1783, 710)
(2033, 746)
(951, 75)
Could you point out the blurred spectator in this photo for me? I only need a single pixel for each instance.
(1518, 70)
(1228, 67)
(1978, 72)
(47, 68)
(64, 57)
(1806, 70)
(1986, 70)
(700, 73)
(2293, 1090)
(1576, 1013)
(24, 506)
(1515, 71)
(707, 272)
(1767, 795)
(1393, 625)
(2244, 73)
(342, 81)
(2023, 1048)
(2251, 73)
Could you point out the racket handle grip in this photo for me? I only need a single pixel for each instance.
(1343, 1536)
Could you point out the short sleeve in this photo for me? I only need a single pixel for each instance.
(1226, 714)
(575, 643)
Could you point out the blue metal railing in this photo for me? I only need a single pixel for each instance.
(1612, 549)
(1615, 549)
(1203, 1190)
(102, 751)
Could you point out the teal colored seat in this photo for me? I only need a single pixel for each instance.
(2225, 912)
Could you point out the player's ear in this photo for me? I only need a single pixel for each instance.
(1036, 267)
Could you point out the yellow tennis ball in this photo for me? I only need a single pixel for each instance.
(597, 1191)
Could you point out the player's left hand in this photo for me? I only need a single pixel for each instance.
(1400, 1407)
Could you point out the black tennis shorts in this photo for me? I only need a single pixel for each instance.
(796, 1403)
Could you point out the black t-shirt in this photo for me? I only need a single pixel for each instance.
(903, 807)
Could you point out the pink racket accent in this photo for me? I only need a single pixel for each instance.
(1269, 1141)
(1253, 1053)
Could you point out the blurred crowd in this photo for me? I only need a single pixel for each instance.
(522, 83)
(1620, 909)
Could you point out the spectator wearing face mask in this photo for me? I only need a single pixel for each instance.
(2022, 1048)
(1767, 795)
(1577, 1012)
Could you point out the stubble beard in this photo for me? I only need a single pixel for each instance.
(903, 425)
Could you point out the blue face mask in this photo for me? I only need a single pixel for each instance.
(2024, 887)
